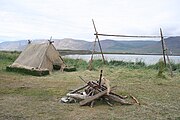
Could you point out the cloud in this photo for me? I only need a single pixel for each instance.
(31, 19)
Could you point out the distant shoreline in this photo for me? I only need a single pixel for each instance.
(87, 52)
(138, 54)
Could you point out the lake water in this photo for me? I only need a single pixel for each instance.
(147, 59)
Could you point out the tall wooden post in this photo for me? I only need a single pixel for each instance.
(96, 33)
(163, 49)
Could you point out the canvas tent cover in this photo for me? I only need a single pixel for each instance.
(39, 56)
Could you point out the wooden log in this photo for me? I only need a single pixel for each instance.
(78, 89)
(118, 99)
(122, 97)
(135, 99)
(90, 84)
(91, 98)
(77, 96)
(88, 90)
(96, 96)
(104, 88)
(92, 103)
(106, 82)
(107, 101)
(94, 86)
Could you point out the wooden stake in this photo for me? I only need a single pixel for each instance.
(163, 50)
(98, 41)
(100, 78)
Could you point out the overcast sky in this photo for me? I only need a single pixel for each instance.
(35, 19)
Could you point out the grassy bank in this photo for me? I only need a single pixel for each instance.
(29, 97)
(7, 58)
(96, 64)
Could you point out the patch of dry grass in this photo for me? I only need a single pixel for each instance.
(30, 97)
(36, 98)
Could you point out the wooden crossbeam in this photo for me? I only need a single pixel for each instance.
(134, 36)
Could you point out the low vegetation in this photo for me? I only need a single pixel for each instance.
(31, 97)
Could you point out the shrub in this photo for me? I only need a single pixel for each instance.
(161, 68)
(10, 56)
(131, 65)
(77, 63)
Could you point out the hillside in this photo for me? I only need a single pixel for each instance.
(141, 47)
(13, 45)
(173, 45)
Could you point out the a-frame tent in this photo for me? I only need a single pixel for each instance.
(39, 57)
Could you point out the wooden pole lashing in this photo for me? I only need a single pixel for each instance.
(29, 41)
(50, 40)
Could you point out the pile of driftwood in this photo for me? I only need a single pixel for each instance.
(96, 90)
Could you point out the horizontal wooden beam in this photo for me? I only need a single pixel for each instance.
(149, 36)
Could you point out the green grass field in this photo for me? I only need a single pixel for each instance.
(37, 98)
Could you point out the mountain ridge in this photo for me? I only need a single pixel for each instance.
(108, 45)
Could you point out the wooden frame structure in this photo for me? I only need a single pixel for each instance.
(164, 47)
(94, 46)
